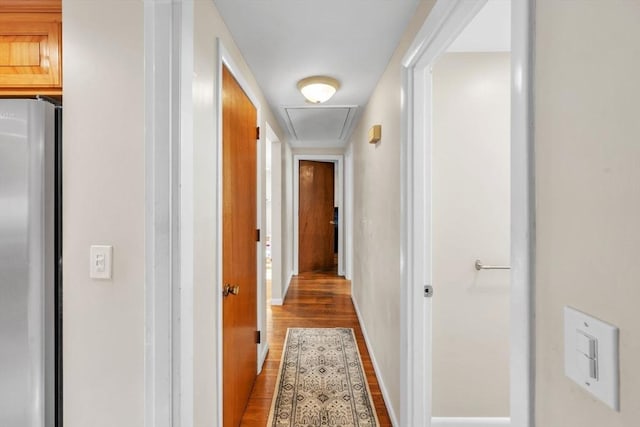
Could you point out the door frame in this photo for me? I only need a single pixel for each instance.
(348, 208)
(277, 213)
(168, 287)
(266, 134)
(338, 160)
(225, 58)
(444, 23)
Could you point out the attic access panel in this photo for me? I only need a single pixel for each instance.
(319, 123)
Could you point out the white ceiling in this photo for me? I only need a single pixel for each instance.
(488, 31)
(323, 123)
(284, 41)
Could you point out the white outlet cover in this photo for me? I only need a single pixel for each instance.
(100, 262)
(606, 386)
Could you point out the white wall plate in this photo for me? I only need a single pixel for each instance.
(591, 355)
(100, 262)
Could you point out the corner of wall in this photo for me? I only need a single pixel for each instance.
(376, 218)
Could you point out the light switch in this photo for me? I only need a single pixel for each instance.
(100, 261)
(591, 355)
(586, 344)
(588, 367)
(593, 369)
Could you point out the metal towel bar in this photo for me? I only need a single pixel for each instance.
(480, 266)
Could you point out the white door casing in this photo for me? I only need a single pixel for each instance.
(168, 61)
(339, 162)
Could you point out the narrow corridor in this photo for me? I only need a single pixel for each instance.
(314, 300)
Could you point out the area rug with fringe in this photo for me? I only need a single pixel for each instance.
(321, 381)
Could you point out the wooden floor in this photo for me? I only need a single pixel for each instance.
(314, 300)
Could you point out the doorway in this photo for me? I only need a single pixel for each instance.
(470, 208)
(317, 231)
(268, 238)
(329, 220)
(420, 251)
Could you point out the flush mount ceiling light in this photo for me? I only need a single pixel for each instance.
(318, 89)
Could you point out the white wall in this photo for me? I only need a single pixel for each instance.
(277, 276)
(320, 151)
(587, 144)
(208, 27)
(287, 217)
(104, 198)
(471, 220)
(376, 228)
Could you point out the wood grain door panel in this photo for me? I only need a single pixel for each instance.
(315, 217)
(239, 246)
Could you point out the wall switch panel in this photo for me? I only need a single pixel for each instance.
(591, 355)
(100, 262)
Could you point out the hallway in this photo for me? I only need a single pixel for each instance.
(141, 158)
(314, 300)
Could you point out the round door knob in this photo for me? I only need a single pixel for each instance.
(230, 290)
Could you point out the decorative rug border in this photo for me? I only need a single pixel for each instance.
(281, 370)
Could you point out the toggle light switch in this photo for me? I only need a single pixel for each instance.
(586, 344)
(593, 369)
(588, 367)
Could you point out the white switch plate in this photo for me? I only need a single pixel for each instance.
(577, 325)
(100, 261)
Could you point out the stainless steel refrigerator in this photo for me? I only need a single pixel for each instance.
(30, 264)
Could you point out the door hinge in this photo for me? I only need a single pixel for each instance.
(258, 337)
(257, 132)
(258, 235)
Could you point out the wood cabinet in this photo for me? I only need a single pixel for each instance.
(30, 49)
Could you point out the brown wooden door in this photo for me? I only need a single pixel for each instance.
(315, 217)
(239, 248)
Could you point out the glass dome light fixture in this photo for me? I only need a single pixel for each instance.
(318, 89)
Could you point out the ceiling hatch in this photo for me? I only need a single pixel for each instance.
(320, 123)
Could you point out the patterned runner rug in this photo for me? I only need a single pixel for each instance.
(321, 381)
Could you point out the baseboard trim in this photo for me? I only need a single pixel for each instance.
(262, 357)
(470, 421)
(383, 388)
(277, 301)
(286, 289)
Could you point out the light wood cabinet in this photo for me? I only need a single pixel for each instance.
(52, 6)
(30, 53)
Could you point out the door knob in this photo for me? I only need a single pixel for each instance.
(332, 222)
(230, 289)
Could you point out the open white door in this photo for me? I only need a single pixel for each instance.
(446, 20)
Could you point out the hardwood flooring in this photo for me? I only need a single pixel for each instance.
(314, 300)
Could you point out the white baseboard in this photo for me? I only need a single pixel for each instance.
(262, 356)
(280, 301)
(286, 288)
(470, 421)
(383, 388)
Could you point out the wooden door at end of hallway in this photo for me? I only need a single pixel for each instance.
(315, 217)
(239, 248)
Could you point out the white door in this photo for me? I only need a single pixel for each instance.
(425, 226)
